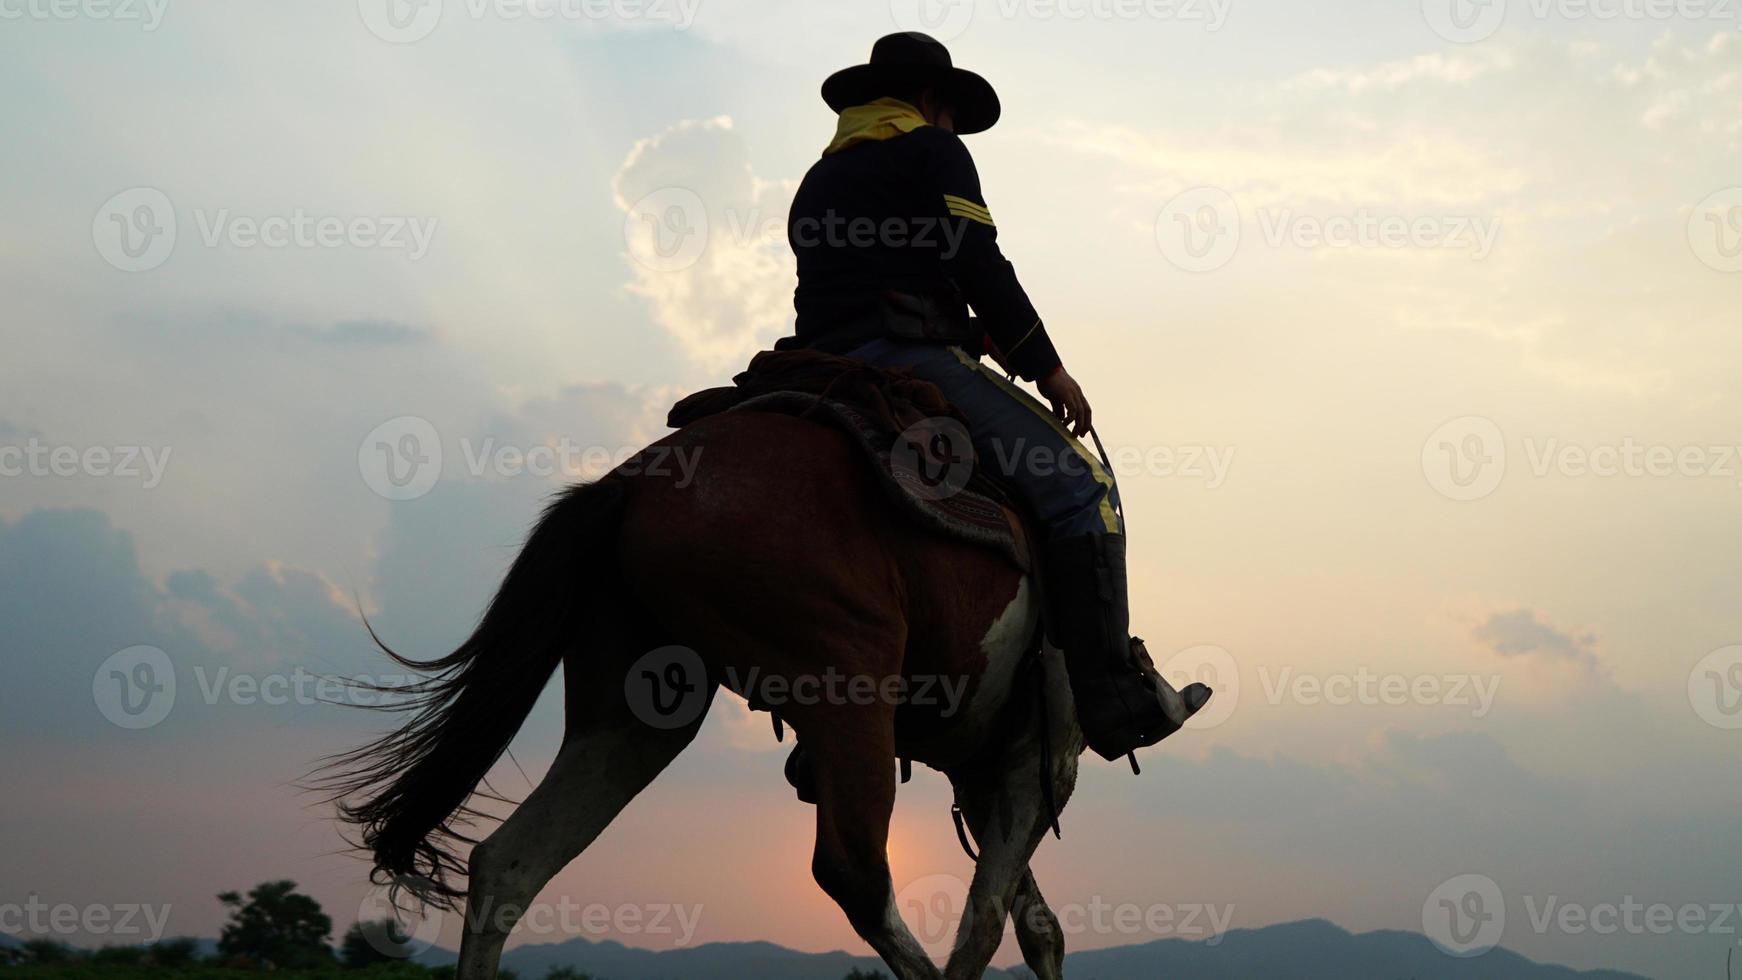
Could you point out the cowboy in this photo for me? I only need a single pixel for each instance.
(895, 244)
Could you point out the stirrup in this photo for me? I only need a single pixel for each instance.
(1133, 708)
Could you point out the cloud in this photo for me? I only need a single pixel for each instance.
(1690, 90)
(367, 332)
(707, 241)
(1458, 69)
(72, 593)
(1523, 632)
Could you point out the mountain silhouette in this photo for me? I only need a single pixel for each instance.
(1309, 950)
(1313, 950)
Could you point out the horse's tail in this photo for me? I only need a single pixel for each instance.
(406, 794)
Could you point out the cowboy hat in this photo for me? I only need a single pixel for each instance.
(913, 60)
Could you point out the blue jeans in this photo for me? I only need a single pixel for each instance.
(1062, 482)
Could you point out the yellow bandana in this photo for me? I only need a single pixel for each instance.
(879, 120)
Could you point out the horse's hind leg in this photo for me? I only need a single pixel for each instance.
(1037, 931)
(598, 771)
(853, 752)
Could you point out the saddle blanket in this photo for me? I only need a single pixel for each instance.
(917, 443)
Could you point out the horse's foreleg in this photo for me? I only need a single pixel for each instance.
(594, 776)
(854, 760)
(1038, 931)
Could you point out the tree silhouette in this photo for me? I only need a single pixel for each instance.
(276, 926)
(175, 953)
(46, 951)
(368, 943)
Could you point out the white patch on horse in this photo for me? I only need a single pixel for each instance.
(1004, 644)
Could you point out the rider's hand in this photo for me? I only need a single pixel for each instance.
(1068, 401)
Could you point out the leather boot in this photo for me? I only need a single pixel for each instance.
(1122, 702)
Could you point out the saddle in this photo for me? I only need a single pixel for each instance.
(917, 443)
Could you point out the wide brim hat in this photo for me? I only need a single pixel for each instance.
(903, 61)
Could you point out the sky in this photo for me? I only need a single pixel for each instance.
(1412, 327)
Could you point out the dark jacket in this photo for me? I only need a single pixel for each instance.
(905, 215)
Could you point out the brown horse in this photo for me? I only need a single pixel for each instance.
(781, 559)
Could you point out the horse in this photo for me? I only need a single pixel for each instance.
(780, 558)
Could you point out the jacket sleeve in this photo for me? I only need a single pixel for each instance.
(979, 268)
